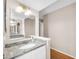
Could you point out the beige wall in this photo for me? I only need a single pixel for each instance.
(60, 26)
(29, 27)
(46, 26)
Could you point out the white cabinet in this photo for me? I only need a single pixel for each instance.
(39, 53)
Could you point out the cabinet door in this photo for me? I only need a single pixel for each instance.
(39, 53)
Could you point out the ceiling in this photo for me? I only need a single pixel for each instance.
(53, 7)
(37, 4)
(43, 6)
(46, 6)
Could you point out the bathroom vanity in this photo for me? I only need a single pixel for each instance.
(28, 49)
(39, 53)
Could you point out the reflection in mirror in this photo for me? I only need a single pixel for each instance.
(21, 26)
(15, 28)
(29, 27)
(20, 20)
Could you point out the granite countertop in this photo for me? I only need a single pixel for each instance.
(13, 50)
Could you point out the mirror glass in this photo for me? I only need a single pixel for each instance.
(20, 20)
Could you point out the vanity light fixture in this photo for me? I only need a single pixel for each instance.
(19, 9)
(28, 12)
(23, 9)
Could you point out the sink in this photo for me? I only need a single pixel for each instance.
(30, 45)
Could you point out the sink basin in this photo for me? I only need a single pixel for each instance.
(30, 45)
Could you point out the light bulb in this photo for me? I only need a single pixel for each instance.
(19, 9)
